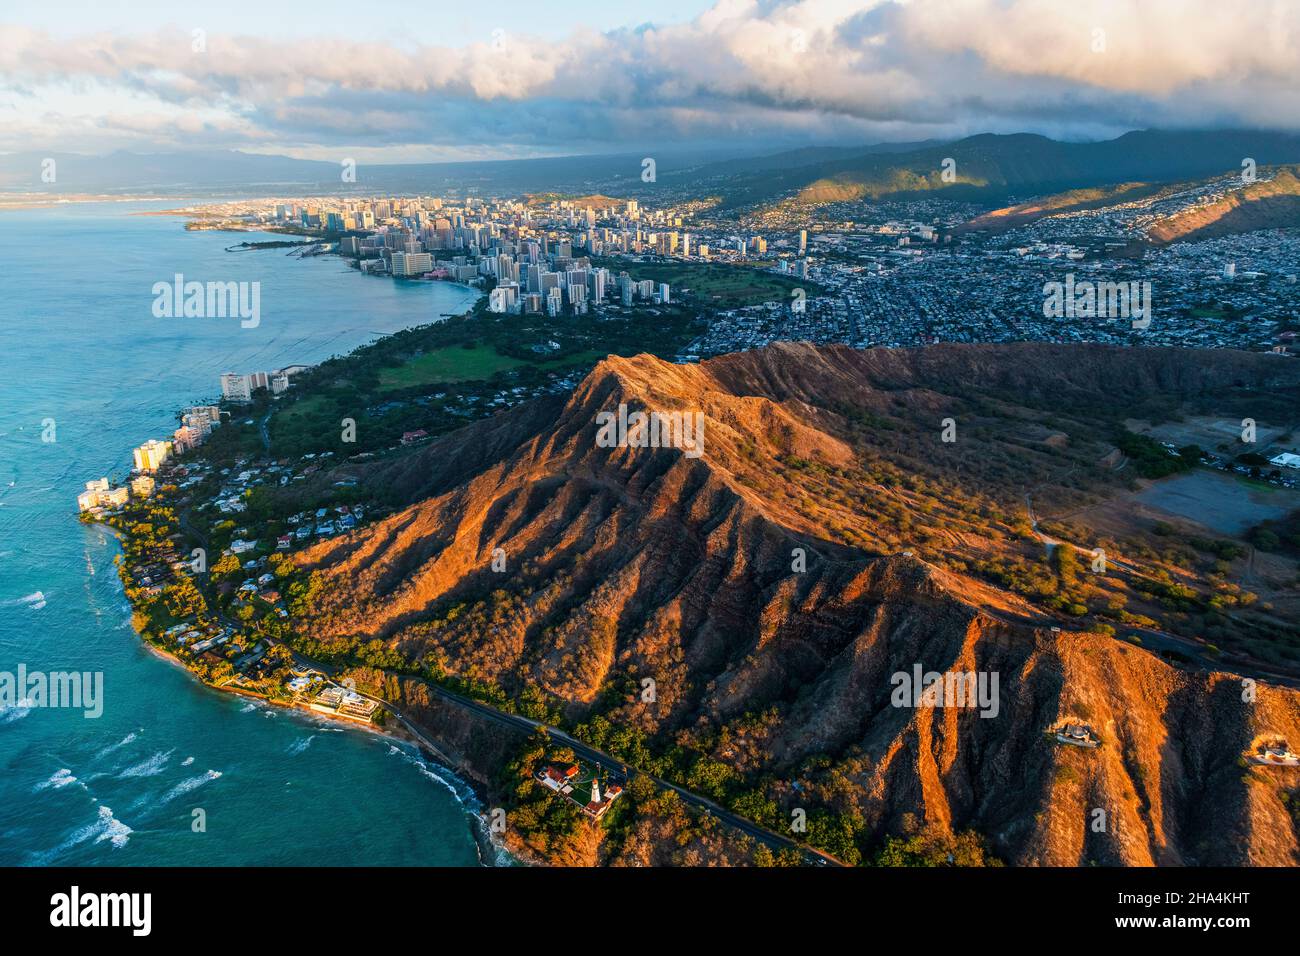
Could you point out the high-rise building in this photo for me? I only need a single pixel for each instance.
(185, 438)
(554, 301)
(193, 416)
(99, 495)
(502, 298)
(412, 263)
(152, 454)
(236, 388)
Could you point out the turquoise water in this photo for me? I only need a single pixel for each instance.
(79, 344)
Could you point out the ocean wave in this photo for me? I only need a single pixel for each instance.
(455, 786)
(10, 713)
(187, 761)
(150, 767)
(113, 829)
(60, 778)
(36, 597)
(500, 856)
(298, 746)
(248, 708)
(117, 746)
(105, 827)
(185, 786)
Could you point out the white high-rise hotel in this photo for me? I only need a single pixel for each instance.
(236, 387)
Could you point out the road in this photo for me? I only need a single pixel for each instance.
(264, 432)
(590, 754)
(772, 840)
(1048, 541)
(1157, 640)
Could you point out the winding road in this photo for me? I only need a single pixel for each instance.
(586, 752)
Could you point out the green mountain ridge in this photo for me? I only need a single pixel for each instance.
(991, 167)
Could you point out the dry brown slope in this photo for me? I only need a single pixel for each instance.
(1272, 204)
(646, 562)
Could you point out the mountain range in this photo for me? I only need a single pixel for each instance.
(991, 167)
(984, 168)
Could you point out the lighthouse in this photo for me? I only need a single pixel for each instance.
(595, 790)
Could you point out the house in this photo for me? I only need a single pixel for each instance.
(1078, 735)
(409, 437)
(1276, 755)
(338, 702)
(357, 707)
(557, 777)
(328, 700)
(283, 542)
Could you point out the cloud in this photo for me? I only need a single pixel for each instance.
(784, 72)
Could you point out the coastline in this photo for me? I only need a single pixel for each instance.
(20, 201)
(197, 221)
(491, 850)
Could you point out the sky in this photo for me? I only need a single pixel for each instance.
(432, 80)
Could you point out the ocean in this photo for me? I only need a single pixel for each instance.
(172, 773)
